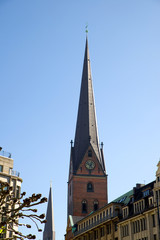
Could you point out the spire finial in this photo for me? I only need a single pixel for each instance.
(51, 183)
(102, 144)
(71, 143)
(86, 29)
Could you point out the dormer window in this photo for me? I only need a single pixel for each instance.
(146, 193)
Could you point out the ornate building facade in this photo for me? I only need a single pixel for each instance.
(132, 216)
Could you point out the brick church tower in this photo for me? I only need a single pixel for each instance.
(87, 182)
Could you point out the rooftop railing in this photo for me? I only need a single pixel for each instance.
(14, 173)
(97, 222)
(5, 154)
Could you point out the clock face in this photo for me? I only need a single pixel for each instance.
(90, 164)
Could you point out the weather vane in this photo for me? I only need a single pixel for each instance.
(86, 28)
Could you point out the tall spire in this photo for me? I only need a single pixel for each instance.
(49, 230)
(86, 128)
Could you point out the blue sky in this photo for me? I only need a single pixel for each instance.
(41, 56)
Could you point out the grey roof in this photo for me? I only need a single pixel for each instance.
(86, 128)
(49, 230)
(74, 219)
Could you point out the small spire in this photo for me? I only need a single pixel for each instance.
(71, 143)
(49, 229)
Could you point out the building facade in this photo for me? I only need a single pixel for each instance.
(132, 216)
(7, 174)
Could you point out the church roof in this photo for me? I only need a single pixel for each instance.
(86, 128)
(49, 230)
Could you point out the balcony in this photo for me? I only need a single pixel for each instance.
(97, 222)
(5, 154)
(14, 173)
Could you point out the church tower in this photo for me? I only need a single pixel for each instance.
(87, 182)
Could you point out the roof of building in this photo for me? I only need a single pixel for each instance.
(86, 128)
(74, 219)
(139, 191)
(136, 192)
(125, 198)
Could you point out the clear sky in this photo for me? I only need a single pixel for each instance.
(41, 57)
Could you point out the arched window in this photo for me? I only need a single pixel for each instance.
(90, 187)
(95, 205)
(84, 206)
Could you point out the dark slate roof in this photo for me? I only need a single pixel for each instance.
(138, 192)
(49, 230)
(86, 128)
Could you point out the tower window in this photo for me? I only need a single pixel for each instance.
(90, 187)
(89, 153)
(95, 205)
(84, 206)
